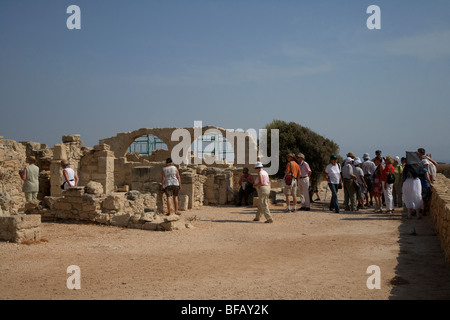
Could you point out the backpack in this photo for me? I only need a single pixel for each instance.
(289, 177)
(390, 178)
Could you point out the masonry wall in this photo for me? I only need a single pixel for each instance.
(440, 211)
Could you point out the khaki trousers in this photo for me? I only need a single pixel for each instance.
(263, 203)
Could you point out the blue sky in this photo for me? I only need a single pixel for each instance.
(234, 64)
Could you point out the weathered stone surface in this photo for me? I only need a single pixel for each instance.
(113, 202)
(94, 188)
(120, 220)
(20, 228)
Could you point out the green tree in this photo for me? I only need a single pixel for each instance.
(295, 138)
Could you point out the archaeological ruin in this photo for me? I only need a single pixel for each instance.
(116, 187)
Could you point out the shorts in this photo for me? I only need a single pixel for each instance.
(171, 191)
(292, 189)
(426, 194)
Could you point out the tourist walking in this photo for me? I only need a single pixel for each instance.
(387, 183)
(332, 174)
(262, 184)
(170, 185)
(303, 182)
(30, 176)
(70, 177)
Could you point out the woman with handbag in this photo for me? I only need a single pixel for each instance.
(387, 180)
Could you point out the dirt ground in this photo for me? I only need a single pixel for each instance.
(226, 256)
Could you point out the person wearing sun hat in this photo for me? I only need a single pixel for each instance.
(262, 185)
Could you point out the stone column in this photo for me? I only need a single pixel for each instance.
(59, 153)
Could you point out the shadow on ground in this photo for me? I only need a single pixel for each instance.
(422, 272)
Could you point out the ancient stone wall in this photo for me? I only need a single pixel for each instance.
(440, 211)
(20, 228)
(131, 210)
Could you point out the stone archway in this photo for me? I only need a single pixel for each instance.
(244, 141)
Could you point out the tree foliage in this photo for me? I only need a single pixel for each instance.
(296, 139)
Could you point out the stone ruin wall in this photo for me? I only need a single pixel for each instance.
(120, 191)
(440, 212)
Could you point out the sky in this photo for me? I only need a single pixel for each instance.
(235, 64)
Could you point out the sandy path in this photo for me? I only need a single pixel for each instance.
(303, 255)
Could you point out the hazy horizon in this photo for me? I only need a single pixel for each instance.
(232, 64)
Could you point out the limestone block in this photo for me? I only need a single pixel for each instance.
(146, 217)
(120, 220)
(183, 202)
(59, 152)
(102, 218)
(71, 138)
(94, 188)
(113, 202)
(20, 228)
(73, 192)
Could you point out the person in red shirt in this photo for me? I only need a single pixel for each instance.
(387, 185)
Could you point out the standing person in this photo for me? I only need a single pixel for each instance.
(361, 183)
(349, 187)
(262, 184)
(70, 177)
(332, 174)
(290, 187)
(303, 182)
(412, 187)
(388, 185)
(432, 168)
(377, 190)
(398, 199)
(246, 182)
(426, 190)
(30, 176)
(368, 168)
(170, 185)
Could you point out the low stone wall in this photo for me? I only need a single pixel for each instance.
(440, 211)
(129, 210)
(20, 228)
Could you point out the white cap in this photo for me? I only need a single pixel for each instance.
(357, 162)
(258, 165)
(348, 160)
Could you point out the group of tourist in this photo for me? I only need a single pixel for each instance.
(30, 176)
(383, 181)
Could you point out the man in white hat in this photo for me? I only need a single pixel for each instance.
(262, 185)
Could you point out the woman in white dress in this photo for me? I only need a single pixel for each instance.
(412, 191)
